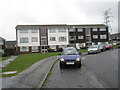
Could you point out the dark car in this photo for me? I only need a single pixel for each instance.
(70, 56)
(102, 47)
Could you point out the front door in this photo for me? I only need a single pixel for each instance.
(44, 49)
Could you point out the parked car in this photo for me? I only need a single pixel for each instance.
(94, 49)
(108, 46)
(102, 47)
(70, 56)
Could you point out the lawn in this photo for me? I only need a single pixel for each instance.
(83, 50)
(22, 62)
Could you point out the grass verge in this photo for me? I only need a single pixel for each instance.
(22, 62)
(83, 50)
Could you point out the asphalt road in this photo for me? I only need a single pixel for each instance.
(97, 71)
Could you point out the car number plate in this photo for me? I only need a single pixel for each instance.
(70, 63)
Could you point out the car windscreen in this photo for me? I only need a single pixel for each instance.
(70, 52)
(93, 46)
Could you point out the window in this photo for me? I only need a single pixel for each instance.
(52, 39)
(80, 30)
(95, 29)
(43, 42)
(95, 36)
(80, 37)
(103, 36)
(62, 39)
(72, 37)
(34, 48)
(23, 31)
(62, 30)
(34, 39)
(34, 31)
(24, 48)
(102, 29)
(72, 30)
(24, 40)
(53, 46)
(51, 30)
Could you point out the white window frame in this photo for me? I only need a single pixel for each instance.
(95, 29)
(81, 37)
(23, 31)
(52, 38)
(34, 31)
(80, 30)
(62, 39)
(24, 48)
(102, 29)
(22, 40)
(95, 36)
(72, 30)
(102, 36)
(52, 31)
(34, 39)
(61, 30)
(74, 37)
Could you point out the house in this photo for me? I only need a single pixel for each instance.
(10, 44)
(2, 45)
(115, 38)
(38, 38)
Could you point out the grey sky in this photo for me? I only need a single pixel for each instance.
(14, 12)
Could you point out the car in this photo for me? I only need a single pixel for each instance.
(102, 47)
(94, 49)
(70, 56)
(108, 46)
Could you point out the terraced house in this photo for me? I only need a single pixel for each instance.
(38, 38)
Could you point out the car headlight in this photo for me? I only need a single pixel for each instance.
(78, 59)
(62, 59)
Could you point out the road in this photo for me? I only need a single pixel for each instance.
(97, 71)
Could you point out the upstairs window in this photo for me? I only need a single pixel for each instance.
(23, 31)
(34, 31)
(103, 36)
(51, 30)
(34, 39)
(24, 40)
(95, 36)
(80, 30)
(81, 37)
(95, 29)
(102, 29)
(52, 39)
(72, 37)
(62, 30)
(62, 39)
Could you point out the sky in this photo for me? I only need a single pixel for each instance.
(27, 12)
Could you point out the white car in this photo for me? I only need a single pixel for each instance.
(94, 49)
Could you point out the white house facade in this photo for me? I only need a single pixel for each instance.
(40, 38)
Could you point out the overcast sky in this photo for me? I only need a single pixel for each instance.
(17, 12)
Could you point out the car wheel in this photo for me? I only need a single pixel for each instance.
(61, 66)
(79, 66)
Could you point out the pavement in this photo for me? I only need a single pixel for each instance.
(4, 63)
(32, 77)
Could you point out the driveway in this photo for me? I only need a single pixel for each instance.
(31, 77)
